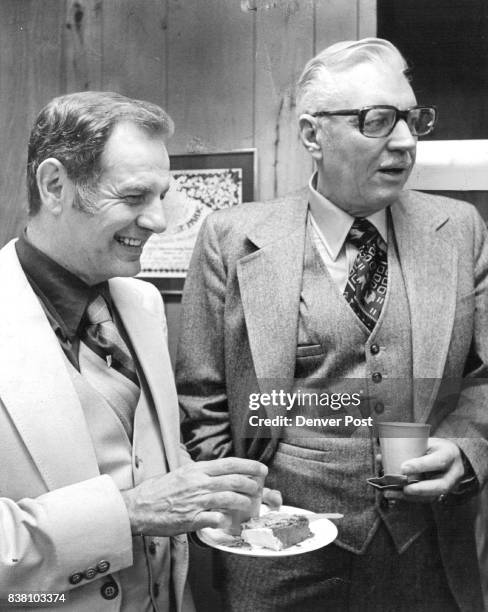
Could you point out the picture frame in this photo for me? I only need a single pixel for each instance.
(201, 184)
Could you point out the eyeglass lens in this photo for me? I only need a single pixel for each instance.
(380, 121)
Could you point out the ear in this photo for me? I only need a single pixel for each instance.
(309, 127)
(55, 188)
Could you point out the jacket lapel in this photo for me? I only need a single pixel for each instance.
(142, 324)
(270, 280)
(35, 386)
(427, 261)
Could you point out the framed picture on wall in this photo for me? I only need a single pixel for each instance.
(201, 183)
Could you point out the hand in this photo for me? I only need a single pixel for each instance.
(272, 498)
(444, 464)
(194, 496)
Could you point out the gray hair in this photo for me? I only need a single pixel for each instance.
(74, 130)
(320, 71)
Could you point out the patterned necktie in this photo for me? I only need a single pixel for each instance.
(367, 283)
(104, 339)
(106, 363)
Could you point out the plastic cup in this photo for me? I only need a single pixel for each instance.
(241, 516)
(400, 442)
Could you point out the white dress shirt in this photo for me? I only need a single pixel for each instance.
(330, 227)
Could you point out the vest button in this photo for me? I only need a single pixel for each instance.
(379, 407)
(156, 589)
(377, 377)
(375, 349)
(109, 590)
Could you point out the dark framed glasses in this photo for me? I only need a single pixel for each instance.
(379, 121)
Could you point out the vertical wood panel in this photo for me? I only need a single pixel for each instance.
(30, 60)
(284, 39)
(82, 52)
(367, 18)
(134, 48)
(336, 20)
(210, 75)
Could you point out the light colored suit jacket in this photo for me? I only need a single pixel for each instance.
(239, 335)
(57, 513)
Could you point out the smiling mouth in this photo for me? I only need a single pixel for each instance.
(129, 242)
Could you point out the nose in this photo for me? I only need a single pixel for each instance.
(152, 217)
(401, 137)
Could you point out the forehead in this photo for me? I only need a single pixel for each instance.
(131, 149)
(366, 84)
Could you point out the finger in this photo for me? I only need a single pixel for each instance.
(438, 461)
(234, 465)
(272, 498)
(428, 489)
(227, 500)
(235, 482)
(213, 519)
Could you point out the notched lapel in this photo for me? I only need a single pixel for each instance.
(35, 385)
(427, 260)
(270, 281)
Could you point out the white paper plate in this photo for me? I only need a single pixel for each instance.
(324, 532)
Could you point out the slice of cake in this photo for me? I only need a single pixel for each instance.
(276, 530)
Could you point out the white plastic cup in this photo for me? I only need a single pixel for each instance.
(400, 442)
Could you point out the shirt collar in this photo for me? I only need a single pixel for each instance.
(334, 223)
(63, 293)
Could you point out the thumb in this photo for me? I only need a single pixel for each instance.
(212, 518)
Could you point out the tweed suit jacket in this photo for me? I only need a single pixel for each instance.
(57, 513)
(239, 335)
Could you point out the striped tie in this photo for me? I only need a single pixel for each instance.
(105, 361)
(368, 279)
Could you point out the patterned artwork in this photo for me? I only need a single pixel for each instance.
(193, 195)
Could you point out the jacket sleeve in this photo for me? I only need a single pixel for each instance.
(200, 364)
(44, 541)
(466, 422)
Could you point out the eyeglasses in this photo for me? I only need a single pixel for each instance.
(379, 121)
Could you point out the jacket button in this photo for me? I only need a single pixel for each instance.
(137, 461)
(90, 573)
(379, 407)
(377, 377)
(109, 590)
(152, 548)
(375, 349)
(76, 578)
(103, 566)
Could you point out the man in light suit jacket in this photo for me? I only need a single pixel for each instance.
(351, 286)
(96, 492)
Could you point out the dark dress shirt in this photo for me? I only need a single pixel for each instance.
(63, 295)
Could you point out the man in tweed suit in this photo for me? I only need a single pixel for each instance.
(351, 285)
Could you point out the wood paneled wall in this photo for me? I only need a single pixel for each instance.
(223, 69)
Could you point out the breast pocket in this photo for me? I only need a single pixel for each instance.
(309, 358)
(309, 350)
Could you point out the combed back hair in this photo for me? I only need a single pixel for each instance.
(317, 78)
(74, 129)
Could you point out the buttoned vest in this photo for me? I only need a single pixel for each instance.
(325, 468)
(129, 463)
